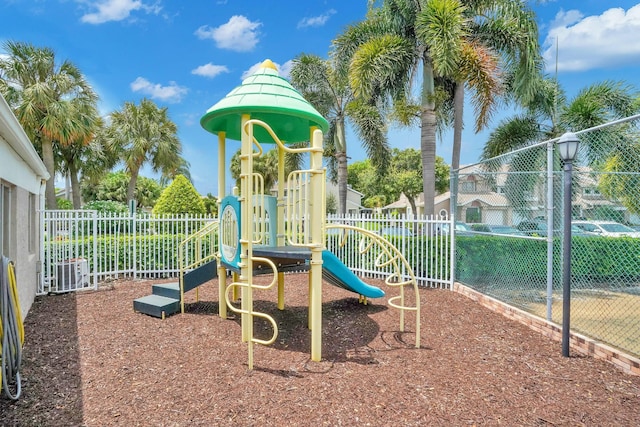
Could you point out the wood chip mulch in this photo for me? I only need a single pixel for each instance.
(90, 360)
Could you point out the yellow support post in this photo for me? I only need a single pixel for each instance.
(316, 220)
(222, 272)
(246, 238)
(280, 236)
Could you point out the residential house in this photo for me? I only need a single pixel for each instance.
(354, 197)
(22, 182)
(508, 198)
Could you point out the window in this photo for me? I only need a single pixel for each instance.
(468, 187)
(591, 192)
(473, 215)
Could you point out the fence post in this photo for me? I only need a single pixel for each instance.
(96, 255)
(550, 209)
(135, 242)
(42, 273)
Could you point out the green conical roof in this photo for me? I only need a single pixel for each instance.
(268, 97)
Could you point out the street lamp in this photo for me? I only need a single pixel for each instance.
(567, 147)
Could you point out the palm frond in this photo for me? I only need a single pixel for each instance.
(511, 134)
(379, 66)
(441, 25)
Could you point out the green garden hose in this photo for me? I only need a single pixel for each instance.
(11, 332)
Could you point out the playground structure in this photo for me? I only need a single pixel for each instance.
(259, 233)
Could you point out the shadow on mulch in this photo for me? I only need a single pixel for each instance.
(51, 378)
(294, 333)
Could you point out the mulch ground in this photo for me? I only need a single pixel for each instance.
(90, 360)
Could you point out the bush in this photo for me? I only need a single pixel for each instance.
(64, 203)
(180, 198)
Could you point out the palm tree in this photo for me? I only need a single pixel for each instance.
(325, 85)
(386, 51)
(267, 166)
(53, 102)
(500, 48)
(169, 175)
(550, 114)
(442, 38)
(144, 133)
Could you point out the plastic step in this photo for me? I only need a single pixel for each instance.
(156, 305)
(200, 275)
(169, 290)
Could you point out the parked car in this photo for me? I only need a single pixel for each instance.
(606, 228)
(497, 229)
(537, 228)
(395, 232)
(533, 228)
(460, 229)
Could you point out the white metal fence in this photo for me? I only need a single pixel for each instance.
(425, 242)
(83, 248)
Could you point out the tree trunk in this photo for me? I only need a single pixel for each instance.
(458, 125)
(75, 187)
(131, 189)
(341, 158)
(47, 159)
(428, 137)
(414, 209)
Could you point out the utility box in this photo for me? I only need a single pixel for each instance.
(72, 274)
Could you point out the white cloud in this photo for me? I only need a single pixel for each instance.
(284, 70)
(210, 70)
(565, 19)
(598, 41)
(237, 34)
(171, 93)
(116, 10)
(316, 21)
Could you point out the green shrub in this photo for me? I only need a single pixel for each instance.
(180, 198)
(150, 250)
(64, 203)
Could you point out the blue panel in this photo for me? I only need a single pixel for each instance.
(229, 238)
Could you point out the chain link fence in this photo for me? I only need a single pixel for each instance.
(512, 246)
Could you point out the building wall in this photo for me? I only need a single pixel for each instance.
(354, 198)
(22, 244)
(22, 179)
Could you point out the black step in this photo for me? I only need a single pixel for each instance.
(200, 275)
(169, 290)
(156, 305)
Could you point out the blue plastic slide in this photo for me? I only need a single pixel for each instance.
(336, 273)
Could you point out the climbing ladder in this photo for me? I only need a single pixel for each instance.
(198, 264)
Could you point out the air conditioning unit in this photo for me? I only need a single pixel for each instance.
(72, 274)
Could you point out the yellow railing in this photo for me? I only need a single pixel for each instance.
(206, 237)
(249, 311)
(387, 256)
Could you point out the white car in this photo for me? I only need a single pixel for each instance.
(606, 228)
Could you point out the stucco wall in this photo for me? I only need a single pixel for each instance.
(26, 257)
(22, 173)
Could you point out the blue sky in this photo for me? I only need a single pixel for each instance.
(186, 55)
